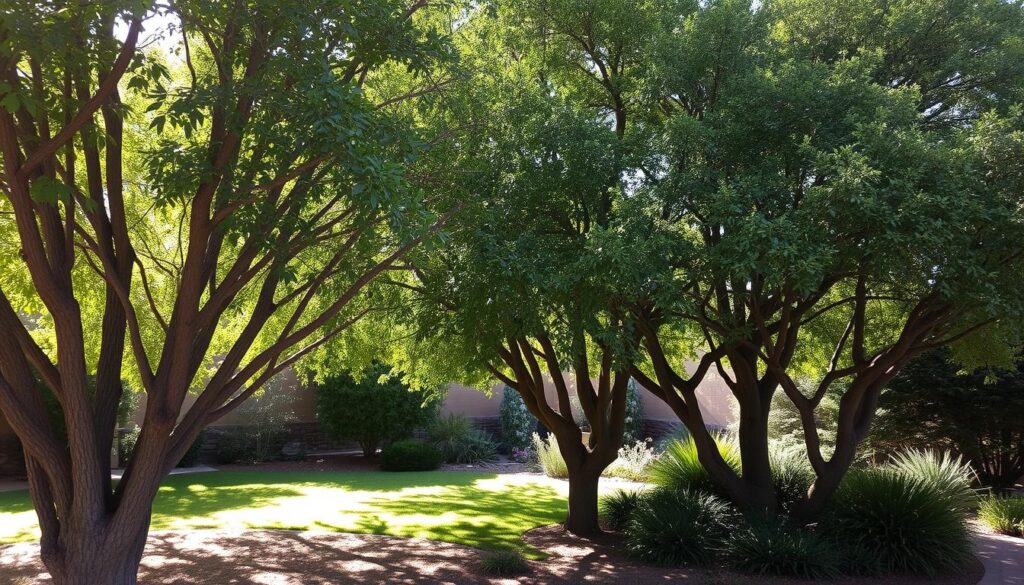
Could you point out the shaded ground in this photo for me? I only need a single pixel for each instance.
(302, 558)
(484, 510)
(1003, 558)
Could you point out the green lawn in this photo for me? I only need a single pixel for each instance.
(477, 509)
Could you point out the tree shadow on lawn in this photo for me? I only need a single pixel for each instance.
(483, 510)
(465, 514)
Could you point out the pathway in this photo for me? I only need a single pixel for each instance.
(1003, 557)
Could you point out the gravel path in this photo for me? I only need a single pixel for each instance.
(1003, 558)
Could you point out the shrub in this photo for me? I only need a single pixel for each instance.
(126, 443)
(792, 475)
(924, 407)
(191, 457)
(616, 508)
(233, 447)
(904, 524)
(549, 457)
(633, 431)
(676, 527)
(410, 455)
(949, 475)
(770, 547)
(632, 462)
(458, 442)
(678, 468)
(1005, 515)
(504, 563)
(374, 409)
(517, 423)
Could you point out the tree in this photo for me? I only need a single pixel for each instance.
(518, 292)
(225, 205)
(838, 189)
(933, 404)
(374, 410)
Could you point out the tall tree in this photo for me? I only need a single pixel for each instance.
(225, 204)
(519, 293)
(841, 187)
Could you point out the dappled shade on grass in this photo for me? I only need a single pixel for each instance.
(483, 510)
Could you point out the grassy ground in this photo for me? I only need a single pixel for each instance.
(483, 510)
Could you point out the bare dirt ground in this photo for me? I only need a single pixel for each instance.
(304, 558)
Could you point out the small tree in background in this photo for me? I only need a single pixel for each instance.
(634, 424)
(933, 404)
(517, 424)
(373, 410)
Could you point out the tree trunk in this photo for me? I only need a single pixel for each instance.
(759, 491)
(96, 558)
(582, 519)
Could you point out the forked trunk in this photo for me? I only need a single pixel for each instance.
(96, 558)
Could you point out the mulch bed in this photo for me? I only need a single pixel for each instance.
(355, 461)
(209, 557)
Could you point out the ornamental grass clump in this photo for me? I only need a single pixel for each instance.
(772, 547)
(896, 523)
(1004, 514)
(617, 507)
(674, 527)
(679, 468)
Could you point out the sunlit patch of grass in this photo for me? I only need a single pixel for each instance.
(482, 510)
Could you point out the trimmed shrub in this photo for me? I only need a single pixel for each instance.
(1004, 515)
(617, 508)
(678, 468)
(128, 439)
(549, 457)
(517, 424)
(770, 547)
(632, 462)
(901, 523)
(504, 563)
(458, 442)
(233, 447)
(191, 457)
(410, 455)
(373, 410)
(675, 527)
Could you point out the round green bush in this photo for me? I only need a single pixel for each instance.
(898, 523)
(1005, 515)
(410, 455)
(676, 527)
(617, 508)
(771, 547)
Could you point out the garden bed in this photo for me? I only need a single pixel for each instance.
(301, 558)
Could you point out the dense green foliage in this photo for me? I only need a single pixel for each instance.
(670, 527)
(898, 523)
(517, 424)
(924, 407)
(617, 507)
(1003, 514)
(374, 409)
(459, 442)
(410, 455)
(771, 547)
